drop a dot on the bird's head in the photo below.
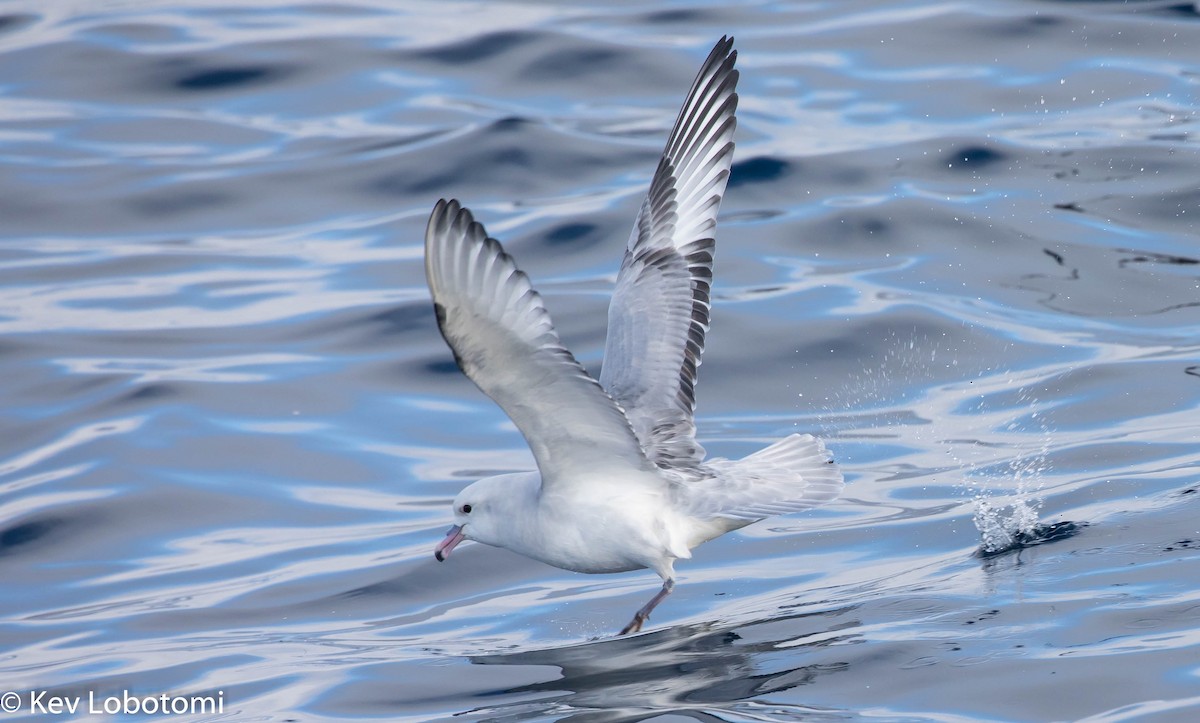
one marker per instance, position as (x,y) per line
(483,512)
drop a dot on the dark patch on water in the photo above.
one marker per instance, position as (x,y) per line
(674,17)
(1069,206)
(1188,10)
(574,234)
(176,202)
(568,63)
(1169,137)
(973,158)
(152,392)
(1023,27)
(1193,370)
(27,533)
(757,170)
(1039,535)
(443,367)
(402,319)
(220,78)
(15,22)
(1187,544)
(509,124)
(372,329)
(212,79)
(479,48)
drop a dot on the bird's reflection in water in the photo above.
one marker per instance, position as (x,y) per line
(700,672)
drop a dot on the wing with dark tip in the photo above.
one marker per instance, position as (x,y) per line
(504,341)
(660,308)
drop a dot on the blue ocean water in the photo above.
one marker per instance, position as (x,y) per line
(959,243)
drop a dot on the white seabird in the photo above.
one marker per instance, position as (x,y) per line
(621,483)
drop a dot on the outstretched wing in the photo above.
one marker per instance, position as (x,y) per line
(504,341)
(659,310)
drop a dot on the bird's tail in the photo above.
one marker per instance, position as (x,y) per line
(793,474)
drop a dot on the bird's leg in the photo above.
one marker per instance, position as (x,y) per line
(640,616)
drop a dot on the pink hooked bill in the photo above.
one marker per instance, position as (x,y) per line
(453,536)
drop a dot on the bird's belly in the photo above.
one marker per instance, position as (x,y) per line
(596,565)
(581,554)
(598,539)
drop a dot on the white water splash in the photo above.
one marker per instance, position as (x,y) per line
(998,442)
(1018,522)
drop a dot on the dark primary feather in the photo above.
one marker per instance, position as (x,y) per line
(660,308)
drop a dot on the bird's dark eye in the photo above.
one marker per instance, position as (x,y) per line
(466,509)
